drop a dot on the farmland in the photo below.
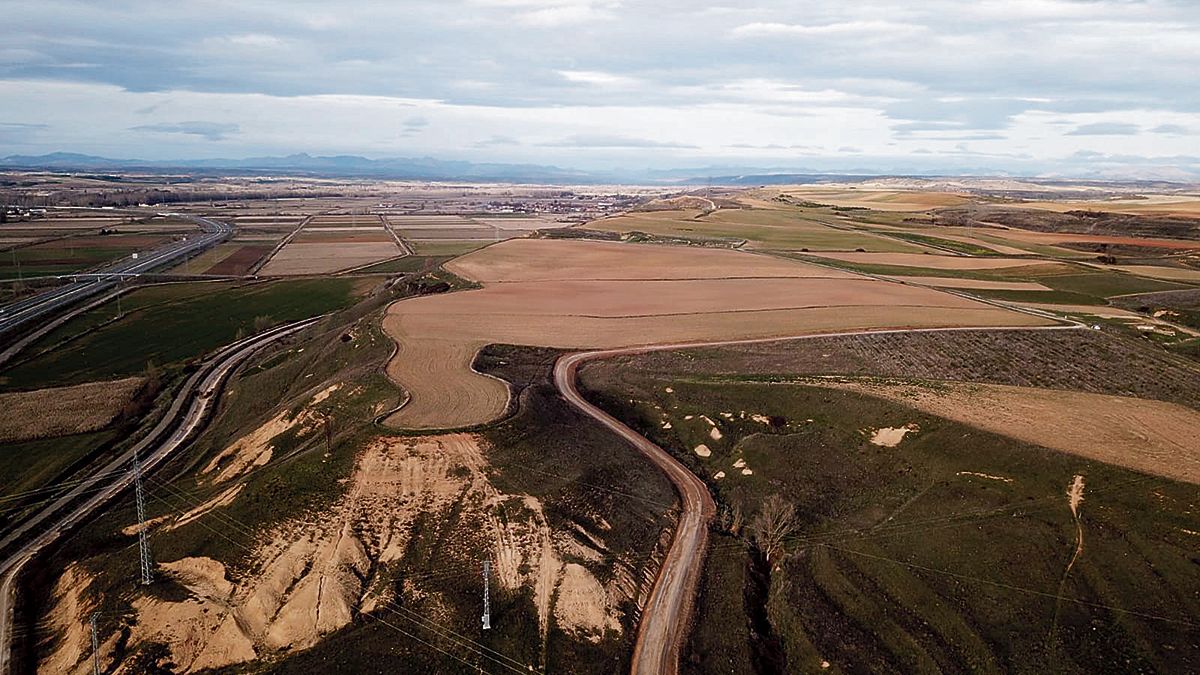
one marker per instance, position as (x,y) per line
(352,477)
(950,541)
(326,244)
(571,294)
(46,413)
(166,326)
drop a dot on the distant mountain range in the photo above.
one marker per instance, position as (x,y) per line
(422,168)
(430,169)
(349,166)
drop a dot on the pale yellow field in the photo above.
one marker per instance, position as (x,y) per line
(59,411)
(1179,205)
(1156,272)
(1151,436)
(586,294)
(302,258)
(880,200)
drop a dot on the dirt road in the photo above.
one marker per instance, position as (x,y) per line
(668,610)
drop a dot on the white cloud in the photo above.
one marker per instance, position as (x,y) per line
(593,77)
(772,29)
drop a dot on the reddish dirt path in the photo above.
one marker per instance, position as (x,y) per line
(668,612)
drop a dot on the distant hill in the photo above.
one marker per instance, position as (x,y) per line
(424,168)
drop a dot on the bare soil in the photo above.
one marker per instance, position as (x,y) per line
(581,294)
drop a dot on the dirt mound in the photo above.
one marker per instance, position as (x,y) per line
(255,448)
(313,575)
(68,619)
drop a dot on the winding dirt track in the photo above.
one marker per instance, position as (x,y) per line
(668,610)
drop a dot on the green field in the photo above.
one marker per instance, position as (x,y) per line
(769,229)
(31,464)
(905,559)
(34,261)
(938,242)
(168,325)
(1106,284)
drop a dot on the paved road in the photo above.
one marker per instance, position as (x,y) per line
(23,311)
(668,611)
(188,412)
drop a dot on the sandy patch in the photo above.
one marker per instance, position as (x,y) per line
(988,476)
(313,575)
(579,294)
(224,499)
(255,448)
(60,411)
(68,619)
(582,602)
(1151,436)
(890,437)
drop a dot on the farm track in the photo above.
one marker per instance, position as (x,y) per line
(188,413)
(668,610)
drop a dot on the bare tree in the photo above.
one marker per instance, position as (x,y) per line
(775,522)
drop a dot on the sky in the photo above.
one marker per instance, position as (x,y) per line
(1097,88)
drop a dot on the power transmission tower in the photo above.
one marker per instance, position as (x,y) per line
(487,605)
(143,542)
(95,645)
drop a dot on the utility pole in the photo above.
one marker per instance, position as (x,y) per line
(487,605)
(95,645)
(143,542)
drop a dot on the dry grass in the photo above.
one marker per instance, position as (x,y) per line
(1150,436)
(879,200)
(580,294)
(1160,205)
(61,411)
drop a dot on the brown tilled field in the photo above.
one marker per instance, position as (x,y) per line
(61,411)
(587,294)
(240,261)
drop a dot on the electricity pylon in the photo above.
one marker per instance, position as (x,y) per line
(487,606)
(143,542)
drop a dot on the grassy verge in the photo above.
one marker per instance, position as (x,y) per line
(168,325)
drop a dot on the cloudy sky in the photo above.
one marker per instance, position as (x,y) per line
(1085,87)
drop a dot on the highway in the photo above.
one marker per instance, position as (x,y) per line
(188,413)
(19,313)
(667,615)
